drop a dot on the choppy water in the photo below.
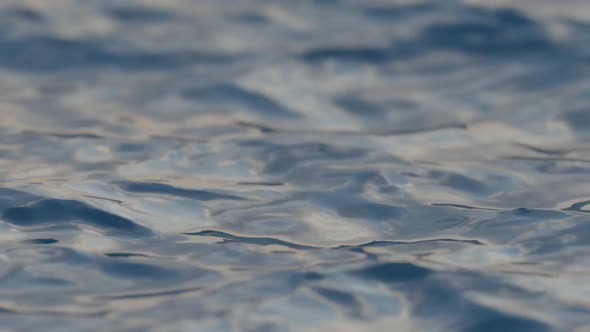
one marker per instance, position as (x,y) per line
(319,165)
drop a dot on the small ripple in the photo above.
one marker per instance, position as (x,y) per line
(367,55)
(579,207)
(399,12)
(62,54)
(394,272)
(377,133)
(262,241)
(160,188)
(142,295)
(40,241)
(506,32)
(502,322)
(140,15)
(20,13)
(105,199)
(341,298)
(388,243)
(125,254)
(462,206)
(66,313)
(270,184)
(133,270)
(230,95)
(55,213)
(64,135)
(579,120)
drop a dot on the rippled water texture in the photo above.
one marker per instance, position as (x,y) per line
(309,165)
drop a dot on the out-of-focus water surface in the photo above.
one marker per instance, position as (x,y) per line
(309,165)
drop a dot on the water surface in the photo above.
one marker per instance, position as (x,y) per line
(313,165)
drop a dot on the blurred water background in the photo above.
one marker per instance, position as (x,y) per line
(294,165)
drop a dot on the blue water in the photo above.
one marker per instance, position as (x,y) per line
(294,165)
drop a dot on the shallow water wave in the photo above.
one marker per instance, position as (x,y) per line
(321,165)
